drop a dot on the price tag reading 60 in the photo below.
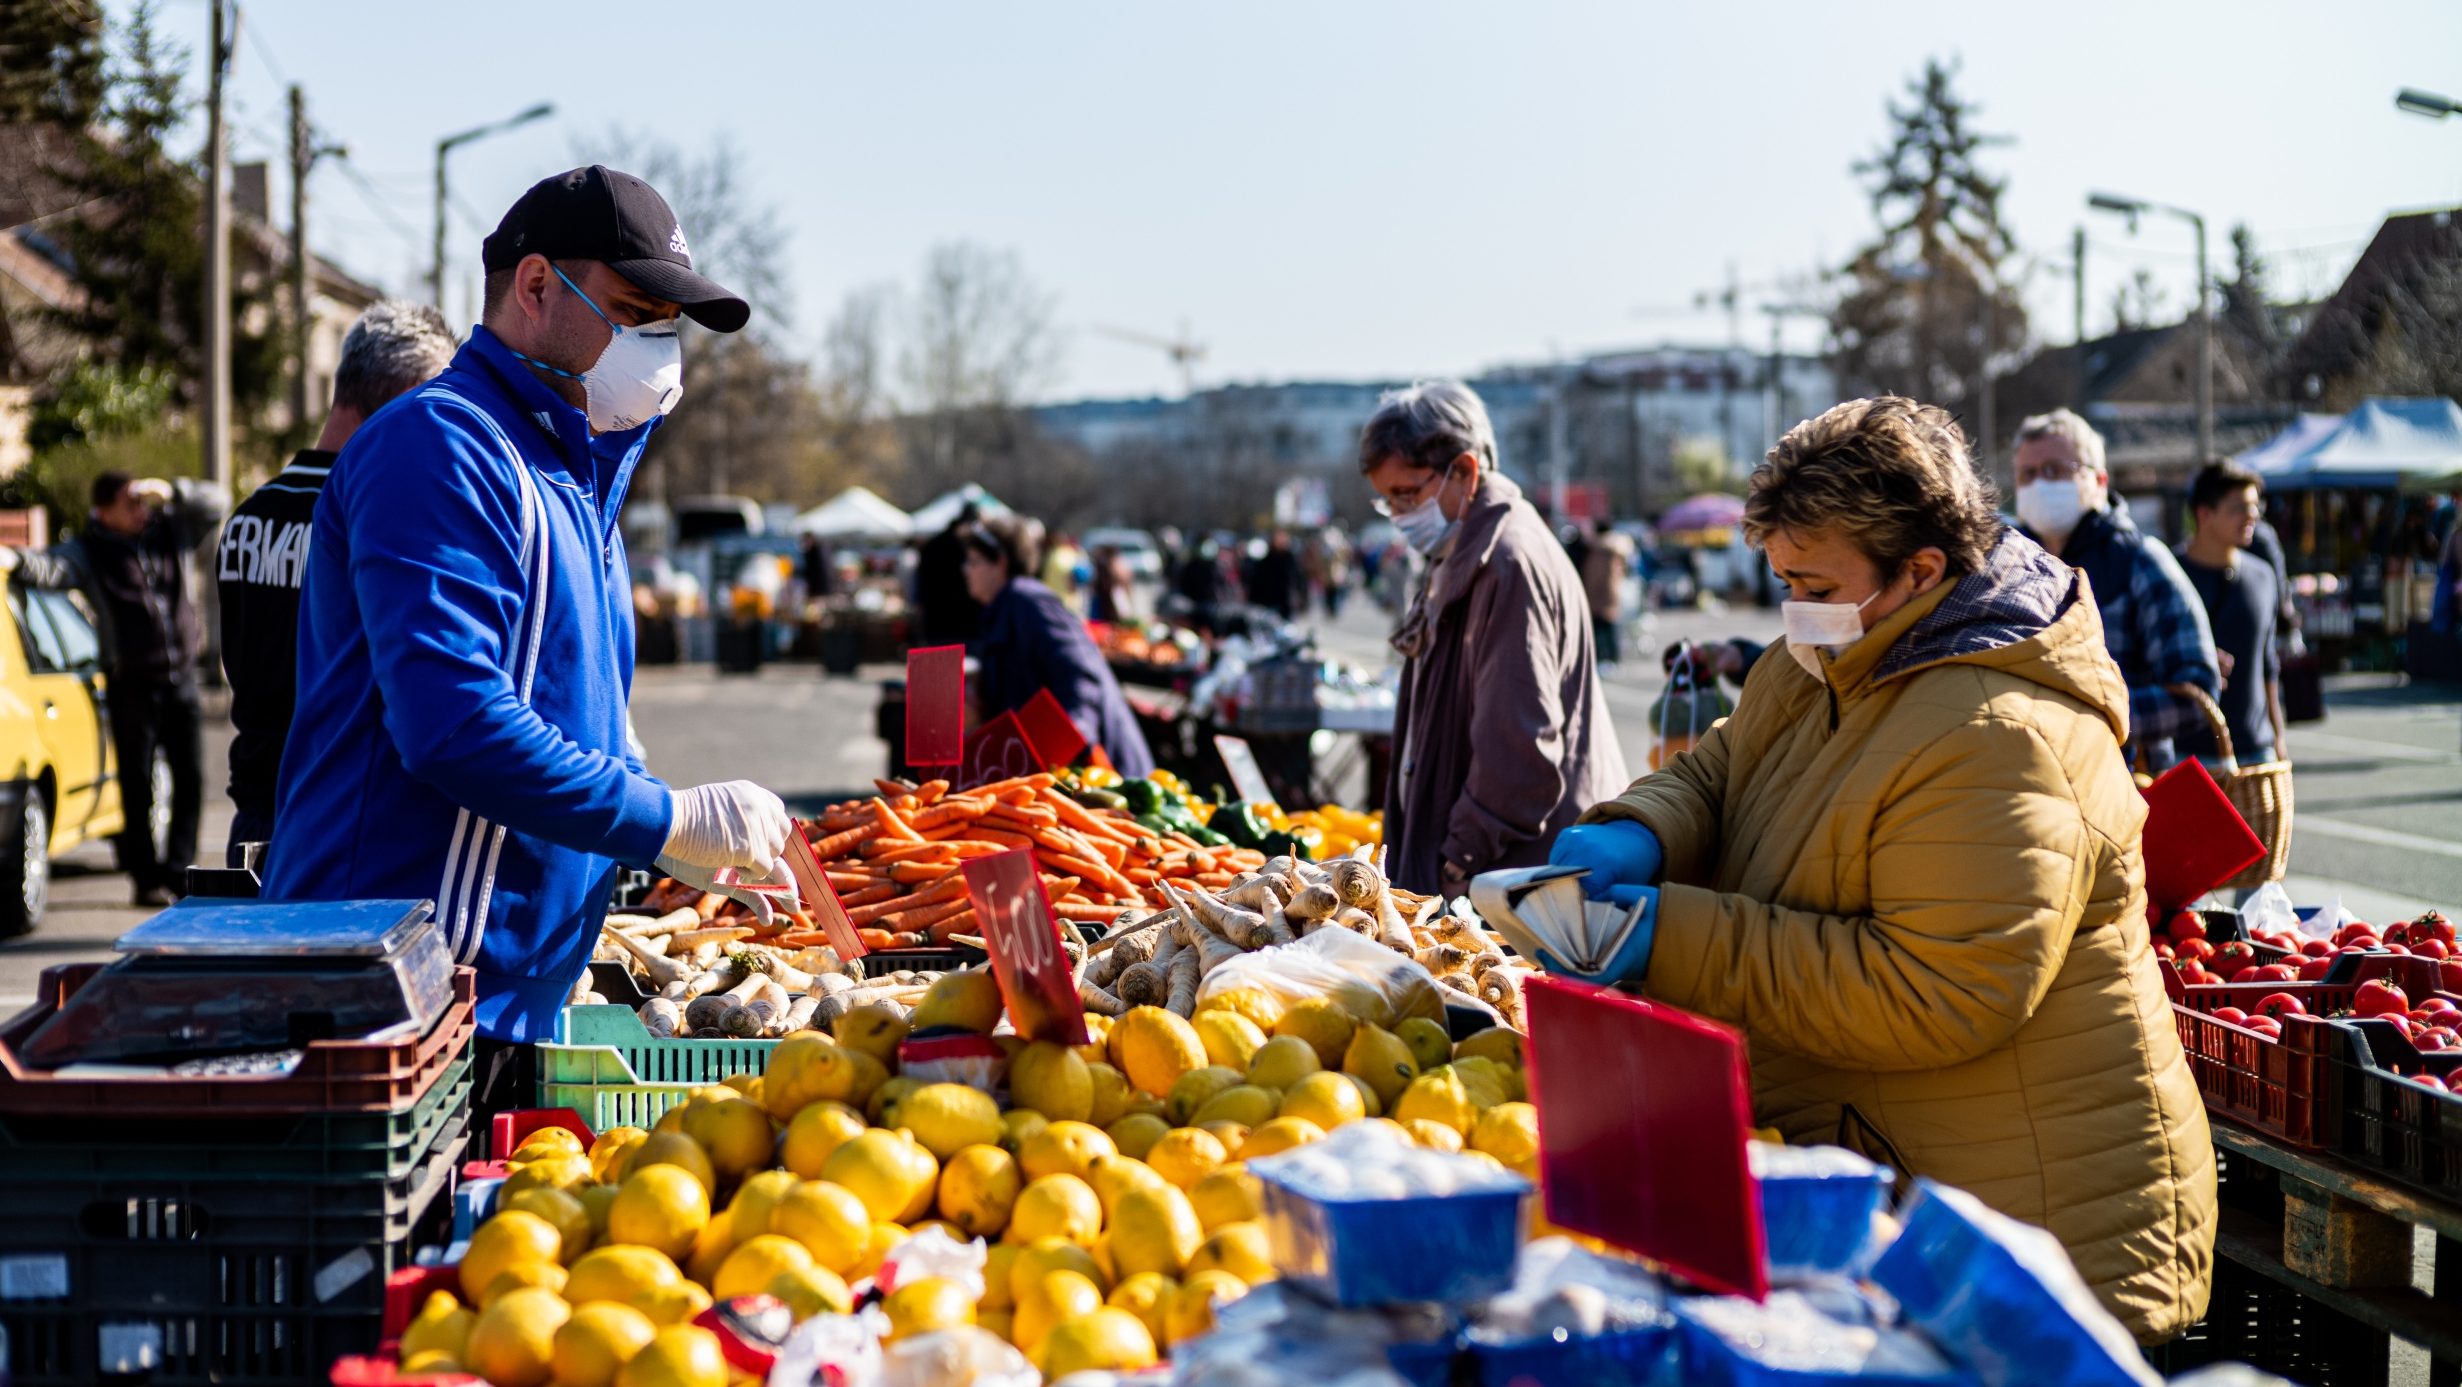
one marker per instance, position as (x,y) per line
(1024,942)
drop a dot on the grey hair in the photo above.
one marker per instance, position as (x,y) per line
(396,345)
(2068,424)
(1428,425)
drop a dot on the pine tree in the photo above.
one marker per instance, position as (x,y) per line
(1928,299)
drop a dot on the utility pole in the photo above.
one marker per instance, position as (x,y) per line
(2077,286)
(2205,351)
(302,155)
(217,421)
(445,146)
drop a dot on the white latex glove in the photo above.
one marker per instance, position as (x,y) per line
(706,879)
(734,823)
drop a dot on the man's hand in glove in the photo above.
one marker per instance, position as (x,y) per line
(731,824)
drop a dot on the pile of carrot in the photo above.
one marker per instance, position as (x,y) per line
(896,859)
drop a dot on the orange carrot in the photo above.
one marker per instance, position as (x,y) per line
(950,811)
(886,891)
(911,852)
(840,844)
(1096,914)
(891,825)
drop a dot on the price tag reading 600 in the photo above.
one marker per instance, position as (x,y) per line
(1024,942)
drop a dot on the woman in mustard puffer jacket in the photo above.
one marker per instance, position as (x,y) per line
(1907,866)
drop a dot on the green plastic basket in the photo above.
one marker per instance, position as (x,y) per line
(606,1106)
(609,1045)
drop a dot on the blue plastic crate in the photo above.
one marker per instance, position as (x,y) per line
(1356,1252)
(1422,1365)
(1817,1221)
(474,1201)
(1627,1358)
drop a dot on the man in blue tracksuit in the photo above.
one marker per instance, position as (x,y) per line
(466,642)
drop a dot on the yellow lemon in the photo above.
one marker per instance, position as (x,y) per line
(1064,1148)
(1136,1134)
(1500,1044)
(997,1259)
(680,1303)
(1326,1098)
(660,1206)
(1232,1135)
(683,1355)
(1114,1176)
(969,1000)
(1059,1297)
(1227,1195)
(672,1120)
(816,1130)
(427,1361)
(876,1030)
(511,1238)
(599,1339)
(1154,1228)
(520,1276)
(1429,1043)
(947,1118)
(677,1150)
(441,1326)
(596,1200)
(1282,1062)
(1323,1023)
(1238,1248)
(1107,1340)
(1097,1048)
(886,1097)
(889,1171)
(1056,1206)
(883,1240)
(1108,1094)
(708,1251)
(1379,1058)
(1261,1008)
(1035,1260)
(755,1200)
(1192,1310)
(748,1085)
(1186,1155)
(920,1307)
(612,1150)
(790,1083)
(559,1171)
(513,1342)
(810,1291)
(756,1262)
(1193,1090)
(979,1187)
(1434,1135)
(1280,1135)
(564,1211)
(1230,1039)
(1147,1295)
(997,1323)
(1245,1104)
(1154,1047)
(831,1223)
(1053,1080)
(619,1272)
(1439,1097)
(1017,1126)
(1487,1082)
(1510,1133)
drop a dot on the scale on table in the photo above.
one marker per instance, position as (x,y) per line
(210,978)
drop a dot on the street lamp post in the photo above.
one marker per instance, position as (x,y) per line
(2133,208)
(445,146)
(2429,104)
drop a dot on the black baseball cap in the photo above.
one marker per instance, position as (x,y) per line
(600,214)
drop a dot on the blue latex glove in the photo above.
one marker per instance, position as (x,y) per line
(1619,853)
(1632,960)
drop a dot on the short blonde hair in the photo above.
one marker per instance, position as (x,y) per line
(2068,424)
(1888,475)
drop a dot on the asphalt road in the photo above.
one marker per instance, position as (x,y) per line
(2379,785)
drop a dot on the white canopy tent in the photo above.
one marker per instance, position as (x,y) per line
(935,515)
(855,513)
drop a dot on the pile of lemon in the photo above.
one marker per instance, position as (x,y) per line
(1112,1191)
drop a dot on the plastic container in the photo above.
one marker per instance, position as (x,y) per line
(1626,1358)
(605,1106)
(509,1129)
(1817,1207)
(2392,1123)
(1422,1365)
(1356,1252)
(2279,1087)
(609,1045)
(332,1075)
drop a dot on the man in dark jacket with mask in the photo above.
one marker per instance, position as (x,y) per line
(2153,622)
(132,565)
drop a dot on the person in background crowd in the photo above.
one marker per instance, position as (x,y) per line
(1908,867)
(132,565)
(2447,601)
(2152,621)
(1065,570)
(393,347)
(815,566)
(945,615)
(1337,549)
(1170,551)
(2243,600)
(1031,641)
(466,634)
(1502,729)
(1113,593)
(1274,580)
(1604,570)
(2267,545)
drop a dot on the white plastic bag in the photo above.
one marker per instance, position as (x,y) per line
(829,1351)
(933,1253)
(2270,910)
(962,1357)
(2324,923)
(1369,980)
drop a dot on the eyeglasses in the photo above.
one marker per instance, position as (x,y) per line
(1387,507)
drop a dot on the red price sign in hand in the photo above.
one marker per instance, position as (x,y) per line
(1024,942)
(820,898)
(936,705)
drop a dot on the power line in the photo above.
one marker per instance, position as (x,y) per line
(377,204)
(254,35)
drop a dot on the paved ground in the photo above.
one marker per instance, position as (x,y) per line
(2379,793)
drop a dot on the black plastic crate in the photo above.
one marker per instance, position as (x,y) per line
(2269,1326)
(282,1148)
(2390,1122)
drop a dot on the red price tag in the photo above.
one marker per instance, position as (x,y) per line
(820,898)
(1024,942)
(936,705)
(1053,733)
(998,750)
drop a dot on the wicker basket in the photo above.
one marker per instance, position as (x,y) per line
(2262,794)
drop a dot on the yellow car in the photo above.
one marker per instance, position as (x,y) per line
(59,787)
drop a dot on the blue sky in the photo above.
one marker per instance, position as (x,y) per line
(1370,189)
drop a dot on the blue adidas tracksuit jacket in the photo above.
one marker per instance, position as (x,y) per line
(465,659)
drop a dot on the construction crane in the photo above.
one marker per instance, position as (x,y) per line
(1185,352)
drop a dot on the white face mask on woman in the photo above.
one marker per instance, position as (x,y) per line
(1813,627)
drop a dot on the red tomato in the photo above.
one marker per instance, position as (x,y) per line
(2429,1079)
(2278,1004)
(2162,949)
(2436,1003)
(2449,973)
(2277,972)
(2186,925)
(2195,974)
(2438,927)
(2197,949)
(2436,1038)
(2266,1026)
(2231,1014)
(2397,933)
(2315,969)
(2430,948)
(2233,955)
(2246,973)
(2317,948)
(2377,996)
(2400,1023)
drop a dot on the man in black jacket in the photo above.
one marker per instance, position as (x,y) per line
(132,565)
(393,348)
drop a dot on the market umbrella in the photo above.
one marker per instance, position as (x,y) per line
(1711,510)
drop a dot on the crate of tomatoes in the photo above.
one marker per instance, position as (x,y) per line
(2395,1081)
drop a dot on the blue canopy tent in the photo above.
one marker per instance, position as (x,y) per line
(2376,447)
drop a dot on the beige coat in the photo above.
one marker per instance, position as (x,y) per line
(1917,888)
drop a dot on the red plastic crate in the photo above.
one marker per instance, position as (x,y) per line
(2282,1088)
(334,1076)
(405,1291)
(510,1129)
